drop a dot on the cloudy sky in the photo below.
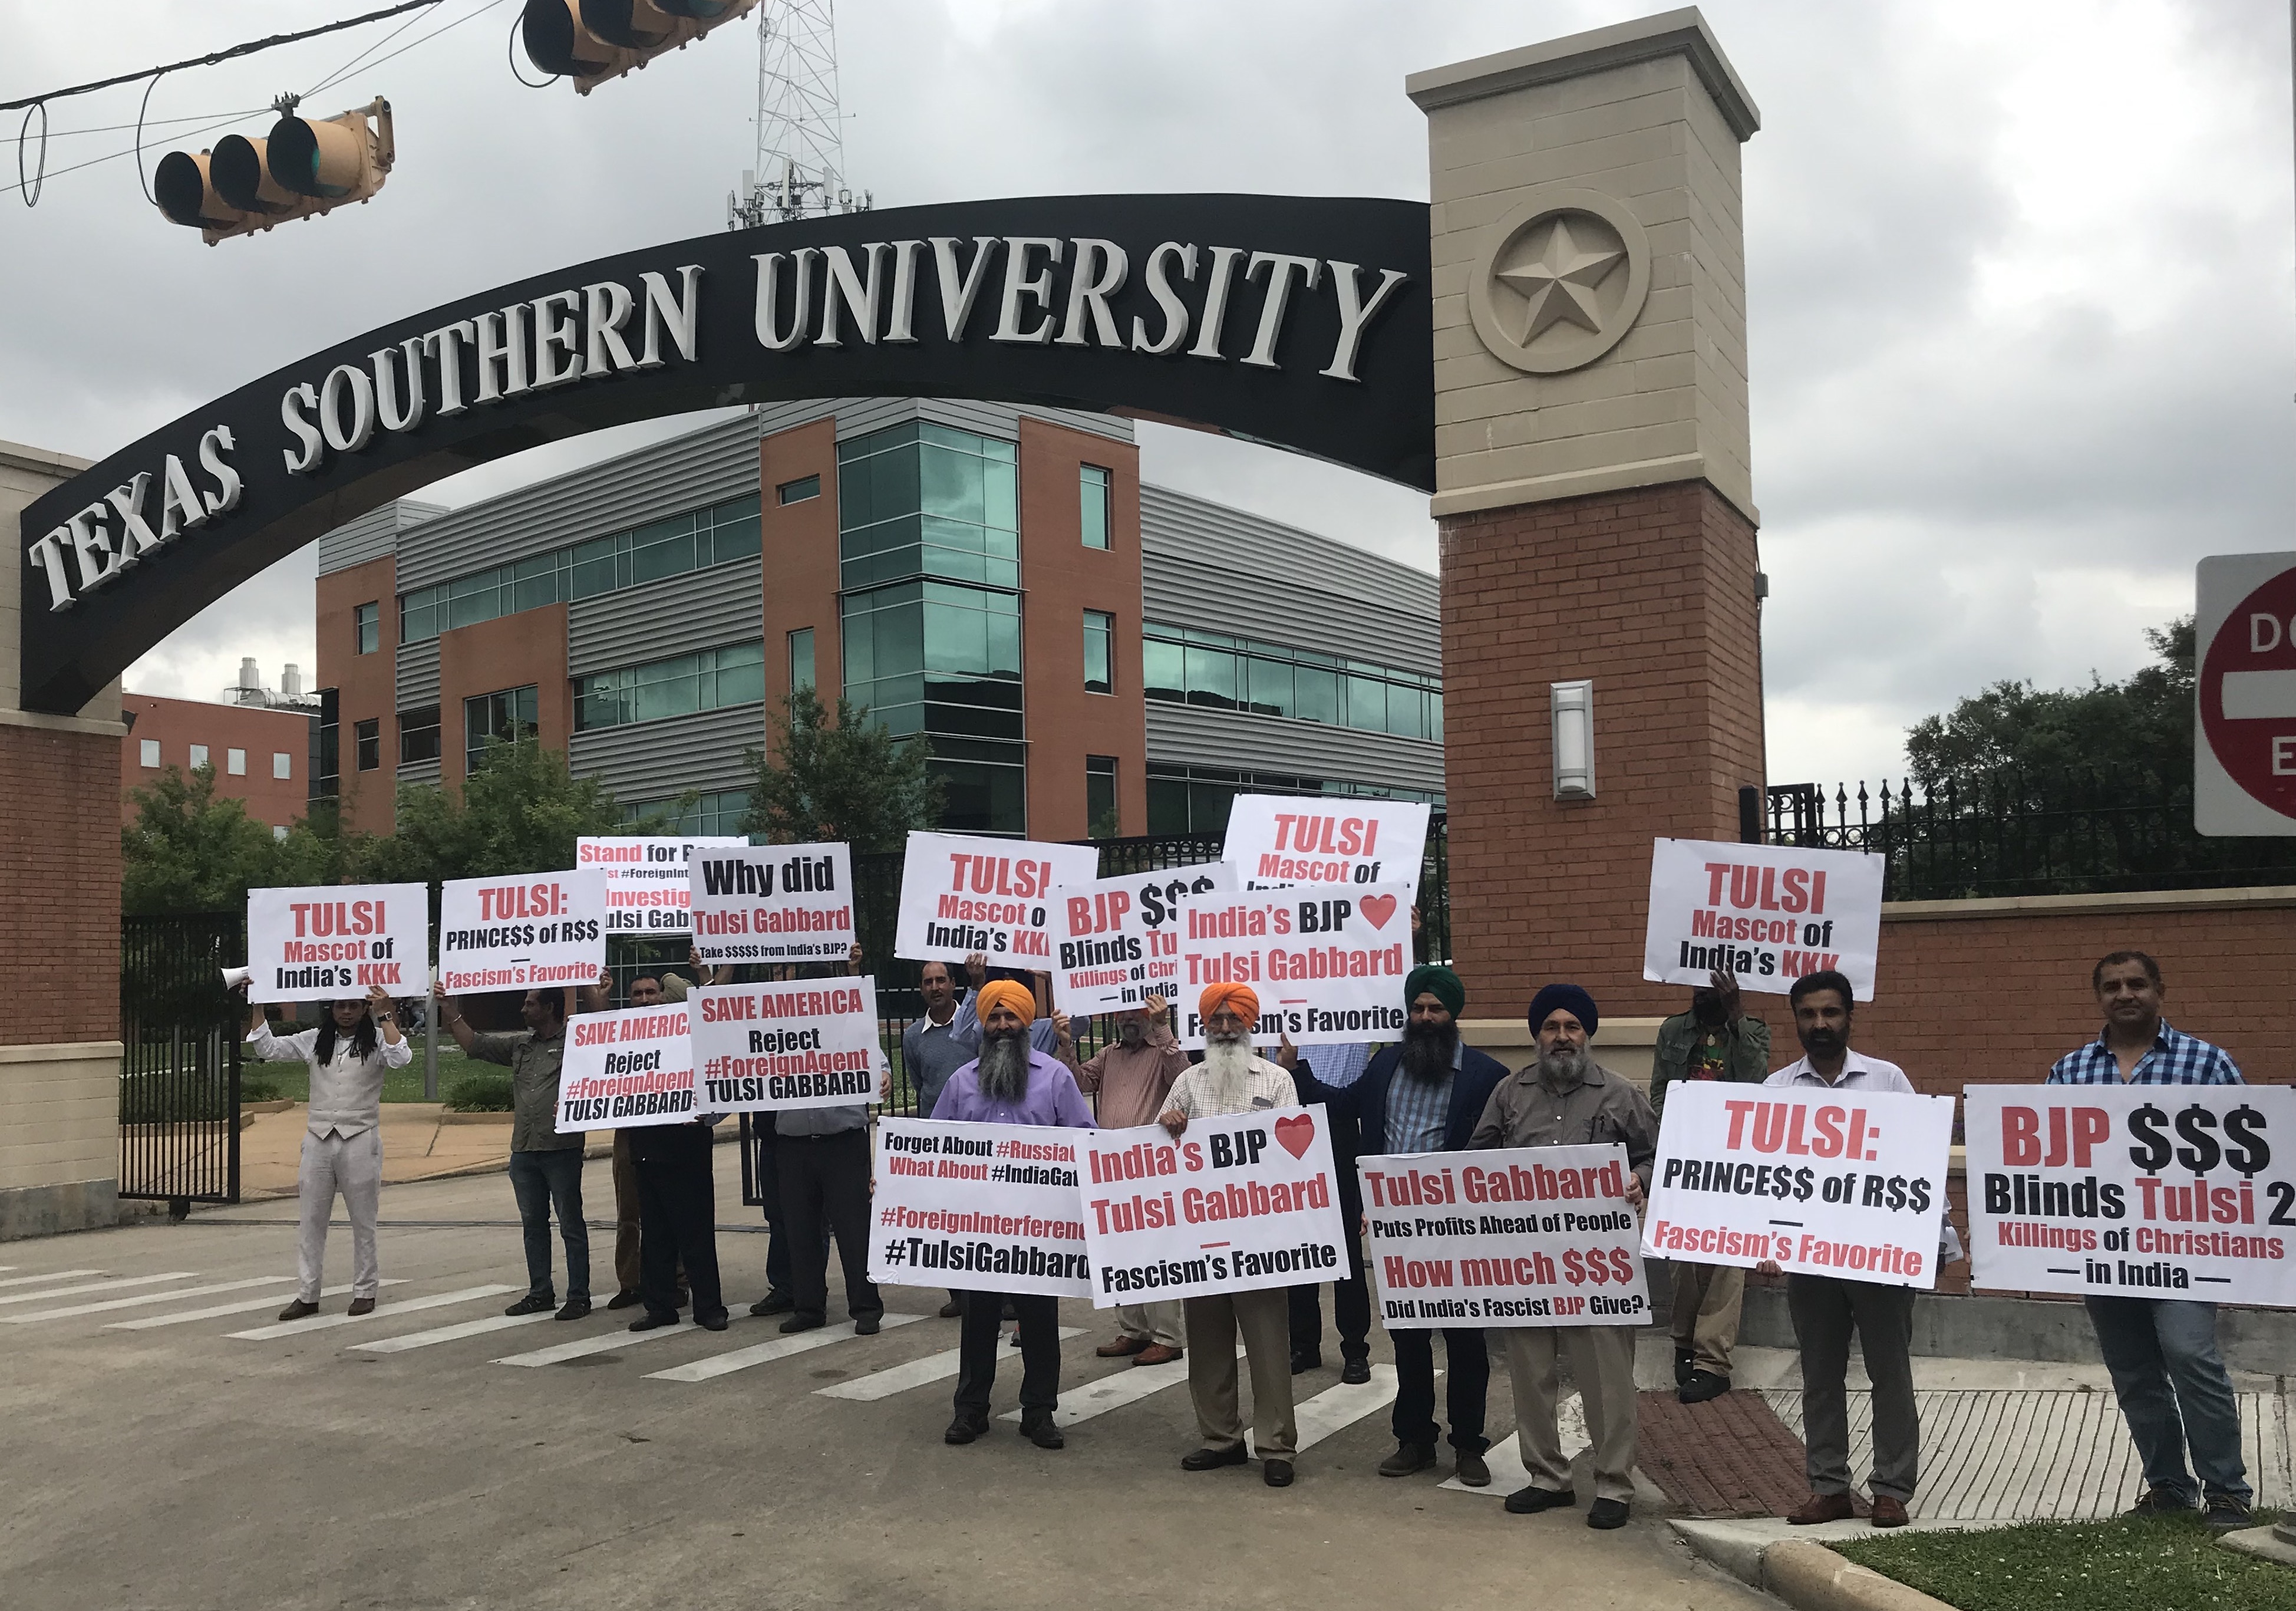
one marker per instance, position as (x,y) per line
(2021,278)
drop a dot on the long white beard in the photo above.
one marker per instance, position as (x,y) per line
(1229,1061)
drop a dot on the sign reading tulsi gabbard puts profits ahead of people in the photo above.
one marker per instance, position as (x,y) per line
(527,932)
(337,941)
(1768,914)
(2146,1191)
(1279,839)
(1527,1236)
(773,903)
(1326,961)
(626,1069)
(1827,1182)
(808,1043)
(645,880)
(1116,943)
(992,1207)
(1243,1201)
(960,895)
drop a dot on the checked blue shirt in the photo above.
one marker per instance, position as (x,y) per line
(2176,1058)
(1418,1111)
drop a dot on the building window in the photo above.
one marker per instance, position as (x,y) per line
(924,500)
(801,659)
(235,761)
(1099,652)
(199,756)
(710,680)
(984,785)
(717,813)
(1195,800)
(931,657)
(368,736)
(367,621)
(1100,796)
(150,749)
(1092,497)
(507,717)
(1185,666)
(277,832)
(418,734)
(283,764)
(800,490)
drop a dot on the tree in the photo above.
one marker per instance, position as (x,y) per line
(189,852)
(848,779)
(519,811)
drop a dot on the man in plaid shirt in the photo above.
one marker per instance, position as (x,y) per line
(2166,1372)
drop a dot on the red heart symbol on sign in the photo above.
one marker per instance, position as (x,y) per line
(1379,908)
(1294,1134)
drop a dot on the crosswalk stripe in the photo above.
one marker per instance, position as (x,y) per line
(1508,1473)
(759,1353)
(243,1306)
(451,1334)
(105,1304)
(582,1348)
(111,1286)
(288,1328)
(1115,1390)
(1336,1408)
(916,1373)
(53,1275)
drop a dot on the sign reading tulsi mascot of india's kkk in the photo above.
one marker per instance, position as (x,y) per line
(626,1069)
(979,1206)
(1279,839)
(1767,915)
(961,894)
(341,940)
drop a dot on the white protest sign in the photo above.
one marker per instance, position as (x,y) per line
(1239,1202)
(626,1069)
(645,879)
(961,894)
(1115,941)
(530,931)
(773,903)
(1327,961)
(808,1043)
(341,939)
(989,1207)
(1279,839)
(1828,1182)
(1768,914)
(2144,1191)
(1523,1235)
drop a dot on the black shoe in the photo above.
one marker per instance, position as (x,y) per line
(965,1429)
(653,1322)
(2159,1501)
(1275,1473)
(533,1303)
(867,1325)
(1015,1340)
(1211,1460)
(1408,1459)
(577,1309)
(1037,1426)
(1357,1371)
(2227,1513)
(1607,1514)
(1531,1500)
(300,1309)
(712,1322)
(804,1322)
(625,1298)
(773,1302)
(1306,1360)
(951,1310)
(1702,1387)
(1010,1312)
(1682,1365)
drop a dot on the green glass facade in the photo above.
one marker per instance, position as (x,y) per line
(924,500)
(1189,667)
(731,675)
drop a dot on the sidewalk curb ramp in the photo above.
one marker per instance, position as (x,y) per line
(1807,1576)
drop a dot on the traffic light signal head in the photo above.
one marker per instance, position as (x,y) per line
(304,168)
(591,41)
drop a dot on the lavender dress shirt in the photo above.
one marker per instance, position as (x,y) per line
(1051,1098)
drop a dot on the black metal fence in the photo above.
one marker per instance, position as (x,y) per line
(179,1078)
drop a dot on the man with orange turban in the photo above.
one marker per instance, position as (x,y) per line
(1233,1080)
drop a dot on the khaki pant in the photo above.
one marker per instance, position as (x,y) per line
(1151,1323)
(1265,1318)
(1602,1366)
(1707,1299)
(353,1166)
(627,1227)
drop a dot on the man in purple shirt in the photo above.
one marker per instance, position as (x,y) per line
(1011,1082)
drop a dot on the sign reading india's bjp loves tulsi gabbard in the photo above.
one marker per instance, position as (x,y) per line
(1326,960)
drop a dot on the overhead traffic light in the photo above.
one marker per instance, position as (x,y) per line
(303,167)
(591,41)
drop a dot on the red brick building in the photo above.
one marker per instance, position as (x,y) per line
(260,755)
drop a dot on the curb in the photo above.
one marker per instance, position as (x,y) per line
(1807,1576)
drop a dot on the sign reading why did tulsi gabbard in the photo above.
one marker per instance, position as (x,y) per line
(991,1206)
(1239,1202)
(961,894)
(528,932)
(1279,839)
(2184,1191)
(645,879)
(1827,1182)
(626,1069)
(1116,943)
(1768,914)
(337,941)
(810,1043)
(773,903)
(1326,961)
(1527,1236)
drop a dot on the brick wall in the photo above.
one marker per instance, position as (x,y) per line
(60,864)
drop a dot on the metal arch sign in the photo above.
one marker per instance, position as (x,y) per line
(1303,323)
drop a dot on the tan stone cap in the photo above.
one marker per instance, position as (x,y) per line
(17,455)
(1682,32)
(1810,1577)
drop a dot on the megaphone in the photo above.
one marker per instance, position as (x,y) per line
(234,977)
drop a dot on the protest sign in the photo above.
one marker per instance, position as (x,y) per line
(960,894)
(645,879)
(626,1069)
(1115,941)
(773,903)
(991,1207)
(1239,1202)
(808,1043)
(1766,914)
(1327,961)
(2146,1191)
(341,940)
(528,932)
(1279,839)
(1520,1236)
(1827,1182)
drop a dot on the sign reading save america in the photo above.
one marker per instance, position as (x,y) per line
(626,1069)
(808,1043)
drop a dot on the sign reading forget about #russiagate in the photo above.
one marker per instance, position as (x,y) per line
(961,894)
(1827,1182)
(1239,1202)
(645,879)
(1116,943)
(1766,914)
(2171,1191)
(531,931)
(1520,1236)
(1279,839)
(1326,961)
(988,1206)
(626,1069)
(807,1043)
(341,939)
(773,903)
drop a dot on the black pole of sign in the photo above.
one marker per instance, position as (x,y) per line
(1750,815)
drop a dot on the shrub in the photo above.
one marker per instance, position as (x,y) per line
(480,1092)
(254,1087)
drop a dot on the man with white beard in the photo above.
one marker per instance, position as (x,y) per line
(1011,1082)
(1233,1080)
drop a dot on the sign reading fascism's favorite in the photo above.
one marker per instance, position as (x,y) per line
(645,880)
(626,1069)
(533,931)
(343,940)
(960,894)
(1275,839)
(1116,942)
(987,1207)
(1326,961)
(2144,1191)
(772,903)
(1768,914)
(1529,1235)
(807,1043)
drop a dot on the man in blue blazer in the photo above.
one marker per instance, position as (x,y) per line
(1424,1094)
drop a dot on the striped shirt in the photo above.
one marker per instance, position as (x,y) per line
(2176,1058)
(1418,1111)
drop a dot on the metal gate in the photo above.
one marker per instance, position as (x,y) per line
(179,1077)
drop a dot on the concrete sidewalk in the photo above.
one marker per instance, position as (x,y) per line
(421,1141)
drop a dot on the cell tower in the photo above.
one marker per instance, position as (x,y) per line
(800,171)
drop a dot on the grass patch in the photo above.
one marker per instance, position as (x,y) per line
(292,1081)
(2158,1563)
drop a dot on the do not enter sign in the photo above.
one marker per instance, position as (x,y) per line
(2244,744)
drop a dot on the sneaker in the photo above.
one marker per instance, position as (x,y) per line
(533,1303)
(1159,1353)
(965,1429)
(575,1308)
(1408,1459)
(2227,1513)
(773,1302)
(2159,1501)
(1472,1471)
(1121,1348)
(1702,1386)
(625,1298)
(1607,1514)
(1531,1500)
(1038,1426)
(1682,1366)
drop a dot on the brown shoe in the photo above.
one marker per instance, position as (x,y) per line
(1824,1507)
(1157,1353)
(298,1311)
(361,1306)
(1888,1512)
(1121,1348)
